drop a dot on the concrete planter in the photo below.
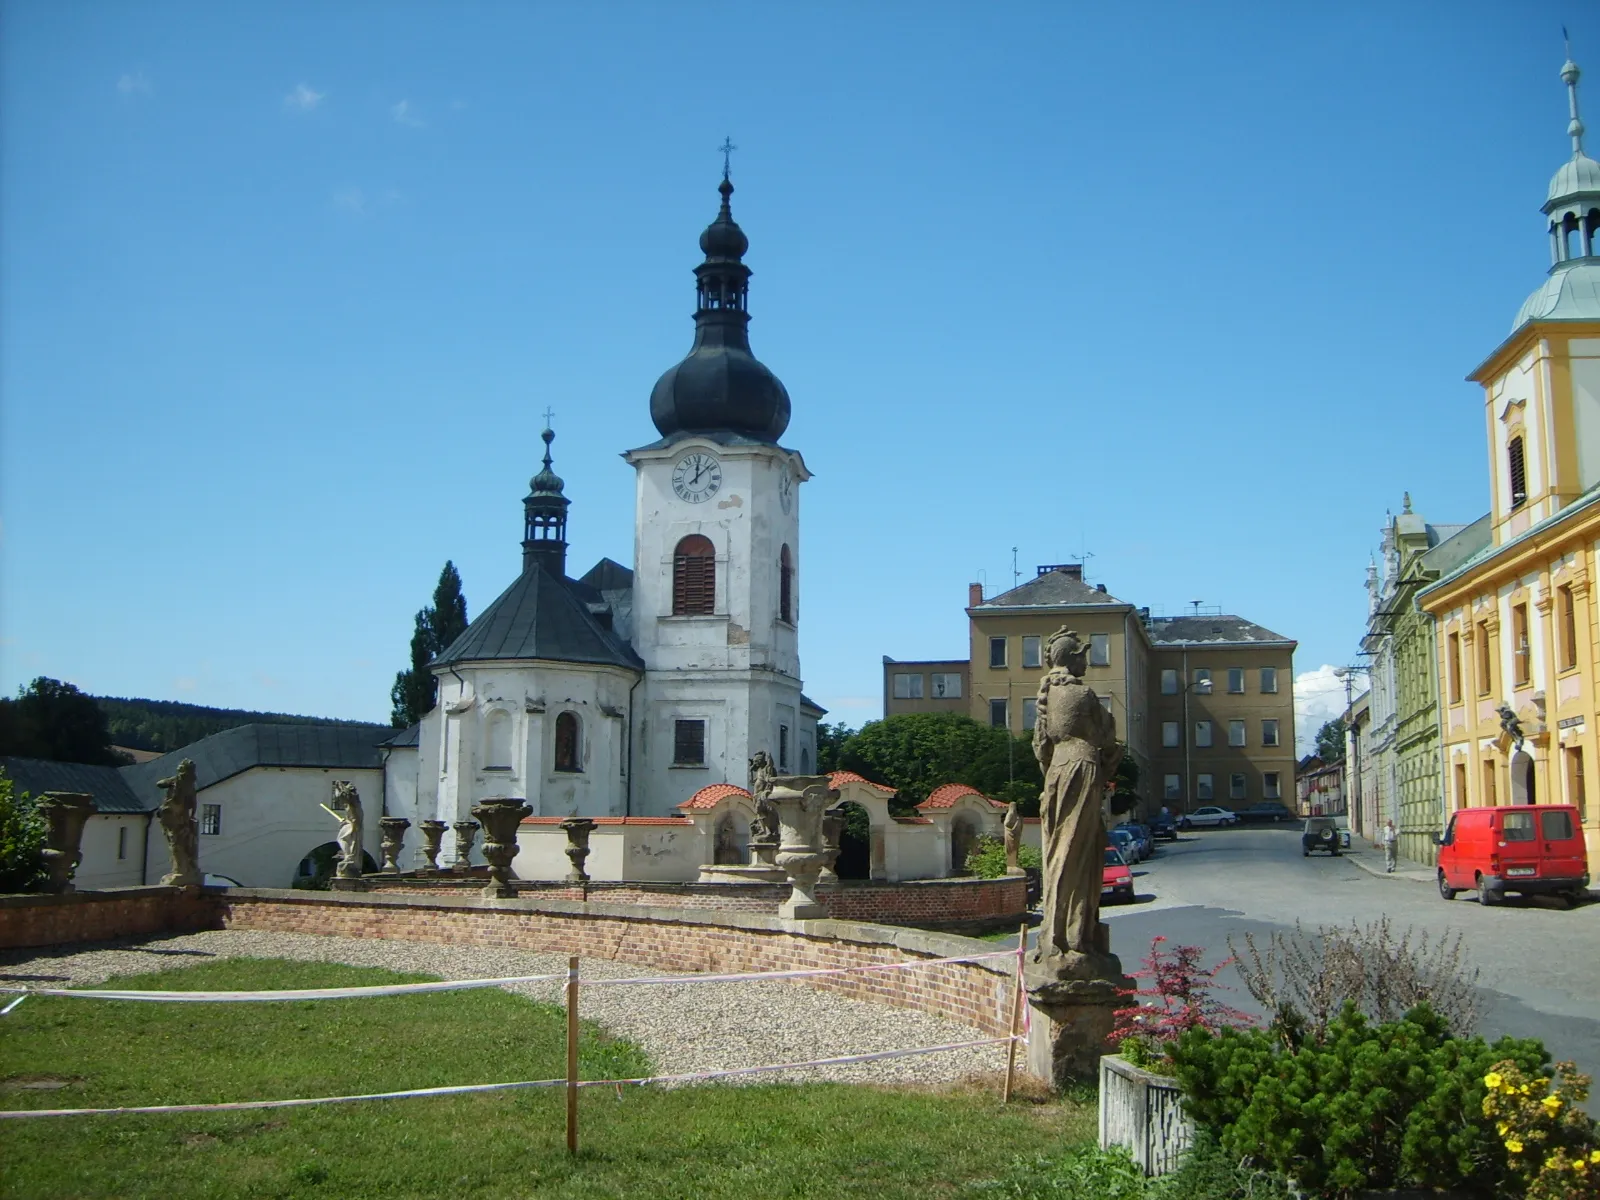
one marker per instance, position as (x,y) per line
(1144,1112)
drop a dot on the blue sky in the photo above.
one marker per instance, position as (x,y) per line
(1192,288)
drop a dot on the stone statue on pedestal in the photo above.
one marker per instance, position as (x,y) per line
(1013,828)
(764,829)
(181,826)
(347,807)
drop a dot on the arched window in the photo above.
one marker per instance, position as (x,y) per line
(497,749)
(785,586)
(694,577)
(1519,471)
(568,743)
(1571,238)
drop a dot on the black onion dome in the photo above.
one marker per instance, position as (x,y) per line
(721,386)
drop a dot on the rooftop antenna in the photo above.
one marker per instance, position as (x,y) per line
(1016,575)
(1196,604)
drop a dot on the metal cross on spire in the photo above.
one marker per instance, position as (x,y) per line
(727,149)
(548,414)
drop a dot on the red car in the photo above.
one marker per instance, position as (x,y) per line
(1116,879)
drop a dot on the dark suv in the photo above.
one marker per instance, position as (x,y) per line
(1265,810)
(1321,833)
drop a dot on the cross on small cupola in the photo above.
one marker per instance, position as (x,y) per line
(544,530)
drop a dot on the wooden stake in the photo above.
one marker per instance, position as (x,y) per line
(572,1055)
(1016,1015)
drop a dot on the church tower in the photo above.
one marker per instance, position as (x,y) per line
(716,599)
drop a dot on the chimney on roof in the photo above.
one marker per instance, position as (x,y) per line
(1144,616)
(1070,570)
(1099,587)
(974,594)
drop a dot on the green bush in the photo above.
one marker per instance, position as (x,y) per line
(1365,1106)
(987,859)
(1089,1173)
(22,832)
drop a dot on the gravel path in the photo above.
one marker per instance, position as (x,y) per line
(683,1027)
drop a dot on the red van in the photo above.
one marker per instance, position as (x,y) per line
(1533,849)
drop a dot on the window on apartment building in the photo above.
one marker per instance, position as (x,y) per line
(999,717)
(1485,660)
(1269,786)
(1269,680)
(1269,732)
(1577,795)
(122,841)
(1567,627)
(1521,651)
(1452,667)
(1489,789)
(211,818)
(908,686)
(1202,680)
(694,577)
(946,686)
(1519,471)
(1235,733)
(689,743)
(1202,733)
(1030,652)
(997,652)
(1203,788)
(1172,787)
(1171,736)
(1169,683)
(1099,649)
(1236,786)
(1236,681)
(1030,714)
(783,747)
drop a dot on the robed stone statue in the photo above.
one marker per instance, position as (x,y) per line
(1075,740)
(764,829)
(347,807)
(178,822)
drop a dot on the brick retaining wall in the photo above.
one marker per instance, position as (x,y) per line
(103,915)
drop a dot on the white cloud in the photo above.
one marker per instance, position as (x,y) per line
(1319,697)
(404,114)
(185,683)
(303,98)
(351,199)
(134,83)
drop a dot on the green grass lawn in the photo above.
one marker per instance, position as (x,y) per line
(708,1141)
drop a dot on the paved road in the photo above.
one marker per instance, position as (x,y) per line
(1540,962)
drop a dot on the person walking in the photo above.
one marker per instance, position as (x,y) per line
(1388,837)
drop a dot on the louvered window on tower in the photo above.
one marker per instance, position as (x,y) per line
(1519,472)
(694,577)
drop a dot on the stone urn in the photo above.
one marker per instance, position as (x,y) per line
(394,838)
(500,819)
(832,831)
(578,831)
(65,814)
(466,833)
(432,836)
(801,800)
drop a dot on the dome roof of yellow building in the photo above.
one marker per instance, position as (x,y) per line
(1577,175)
(1572,293)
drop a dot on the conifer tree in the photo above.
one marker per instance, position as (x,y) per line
(441,623)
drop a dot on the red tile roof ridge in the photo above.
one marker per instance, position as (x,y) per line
(835,778)
(713,794)
(946,795)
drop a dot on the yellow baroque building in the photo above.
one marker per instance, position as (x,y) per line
(1518,651)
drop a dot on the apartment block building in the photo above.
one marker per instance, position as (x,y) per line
(1248,734)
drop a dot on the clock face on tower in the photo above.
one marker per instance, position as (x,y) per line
(697,476)
(786,489)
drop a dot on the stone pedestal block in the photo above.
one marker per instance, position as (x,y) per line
(1074,998)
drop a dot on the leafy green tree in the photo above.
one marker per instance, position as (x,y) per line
(21,840)
(1330,740)
(415,689)
(916,752)
(54,720)
(830,740)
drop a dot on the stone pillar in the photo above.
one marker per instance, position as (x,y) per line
(466,833)
(1074,999)
(65,815)
(832,831)
(432,836)
(578,831)
(500,819)
(800,801)
(394,838)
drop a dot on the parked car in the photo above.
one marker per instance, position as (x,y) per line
(1116,880)
(1162,825)
(1266,810)
(1532,850)
(1142,835)
(1208,815)
(1124,841)
(1320,833)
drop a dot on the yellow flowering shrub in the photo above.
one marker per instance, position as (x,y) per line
(1552,1144)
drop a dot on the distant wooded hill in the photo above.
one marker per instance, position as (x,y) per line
(163,725)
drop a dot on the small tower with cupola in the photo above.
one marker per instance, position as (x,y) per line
(716,600)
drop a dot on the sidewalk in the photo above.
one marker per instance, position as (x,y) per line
(1371,861)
